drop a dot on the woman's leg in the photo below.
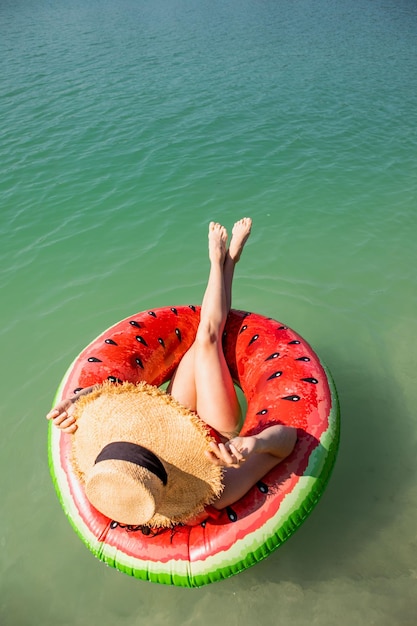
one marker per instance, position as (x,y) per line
(240,233)
(202,381)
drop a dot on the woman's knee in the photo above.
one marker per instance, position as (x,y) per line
(208,334)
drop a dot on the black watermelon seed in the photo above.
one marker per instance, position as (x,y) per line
(161,341)
(78,389)
(263,412)
(203,524)
(294,342)
(178,333)
(111,342)
(152,313)
(272,356)
(274,375)
(141,340)
(254,338)
(113,379)
(314,381)
(145,530)
(135,323)
(192,307)
(306,359)
(139,362)
(93,359)
(283,328)
(113,525)
(231,514)
(292,398)
(244,327)
(262,487)
(174,310)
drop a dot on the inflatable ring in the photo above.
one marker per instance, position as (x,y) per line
(283,382)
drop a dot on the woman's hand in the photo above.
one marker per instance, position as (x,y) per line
(232,453)
(62,416)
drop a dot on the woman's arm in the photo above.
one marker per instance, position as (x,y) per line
(62,414)
(248,459)
(276,441)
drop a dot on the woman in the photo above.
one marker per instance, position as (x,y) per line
(202,382)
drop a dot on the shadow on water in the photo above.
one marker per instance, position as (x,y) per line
(359,501)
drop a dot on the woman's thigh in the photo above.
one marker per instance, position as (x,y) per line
(182,384)
(217,402)
(202,383)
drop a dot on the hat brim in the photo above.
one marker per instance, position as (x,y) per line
(145,415)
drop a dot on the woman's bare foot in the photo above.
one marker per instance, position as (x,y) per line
(217,242)
(240,233)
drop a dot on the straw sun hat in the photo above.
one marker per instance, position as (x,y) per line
(141,456)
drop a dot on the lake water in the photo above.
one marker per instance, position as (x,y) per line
(125,128)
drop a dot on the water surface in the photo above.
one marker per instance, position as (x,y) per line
(125,127)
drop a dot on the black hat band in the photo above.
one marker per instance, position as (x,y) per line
(133,453)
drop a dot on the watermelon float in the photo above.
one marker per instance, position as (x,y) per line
(283,381)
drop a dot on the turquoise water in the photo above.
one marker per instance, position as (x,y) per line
(125,127)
